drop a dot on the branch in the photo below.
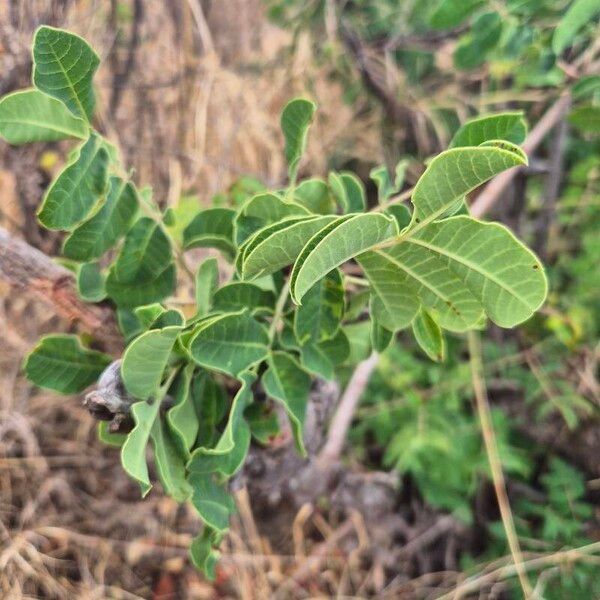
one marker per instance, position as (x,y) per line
(31,271)
(493,191)
(342,419)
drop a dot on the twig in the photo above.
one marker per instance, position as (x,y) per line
(481,581)
(491,447)
(493,191)
(343,416)
(29,270)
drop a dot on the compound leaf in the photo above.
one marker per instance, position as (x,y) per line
(63,67)
(31,116)
(60,363)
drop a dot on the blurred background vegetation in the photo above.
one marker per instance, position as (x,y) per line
(191,90)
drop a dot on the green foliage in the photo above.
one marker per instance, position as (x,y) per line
(267,328)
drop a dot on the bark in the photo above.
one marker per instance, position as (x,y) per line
(30,271)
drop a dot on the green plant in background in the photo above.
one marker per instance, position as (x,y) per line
(290,311)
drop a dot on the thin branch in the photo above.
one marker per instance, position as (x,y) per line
(342,419)
(31,271)
(493,191)
(491,447)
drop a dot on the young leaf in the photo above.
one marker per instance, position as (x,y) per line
(239,295)
(77,189)
(381,338)
(207,280)
(96,235)
(202,554)
(30,116)
(211,228)
(262,210)
(133,451)
(336,243)
(508,126)
(348,191)
(145,359)
(231,449)
(170,463)
(146,252)
(277,246)
(91,283)
(212,501)
(429,336)
(61,363)
(116,440)
(319,316)
(181,417)
(458,171)
(296,118)
(314,195)
(287,382)
(63,67)
(230,343)
(579,14)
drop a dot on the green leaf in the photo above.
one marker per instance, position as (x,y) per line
(170,463)
(348,191)
(262,210)
(287,382)
(146,252)
(63,67)
(336,243)
(456,172)
(401,213)
(359,341)
(230,343)
(77,189)
(385,186)
(278,245)
(263,422)
(322,358)
(61,363)
(182,417)
(231,449)
(133,451)
(99,233)
(177,218)
(320,314)
(579,13)
(314,195)
(211,228)
(451,13)
(484,35)
(212,501)
(211,403)
(137,293)
(106,436)
(90,282)
(586,119)
(295,120)
(586,87)
(510,126)
(429,336)
(30,116)
(393,304)
(498,270)
(145,359)
(207,281)
(202,554)
(381,338)
(239,295)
